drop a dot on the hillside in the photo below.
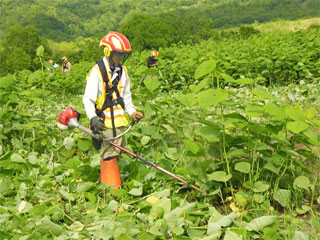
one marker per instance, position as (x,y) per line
(66,20)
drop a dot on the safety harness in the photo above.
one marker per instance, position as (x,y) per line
(64,65)
(109,102)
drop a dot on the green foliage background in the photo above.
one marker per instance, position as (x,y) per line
(66,20)
(235,112)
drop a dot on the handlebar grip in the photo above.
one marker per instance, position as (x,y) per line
(134,122)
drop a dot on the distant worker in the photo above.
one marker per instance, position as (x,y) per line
(54,66)
(151,61)
(66,66)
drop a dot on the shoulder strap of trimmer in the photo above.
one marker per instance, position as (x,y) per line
(108,101)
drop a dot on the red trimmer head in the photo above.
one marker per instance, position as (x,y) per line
(68,118)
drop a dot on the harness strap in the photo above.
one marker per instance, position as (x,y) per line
(109,92)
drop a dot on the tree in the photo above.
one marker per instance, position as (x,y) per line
(19,49)
(146,32)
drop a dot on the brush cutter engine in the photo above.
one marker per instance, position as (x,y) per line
(68,118)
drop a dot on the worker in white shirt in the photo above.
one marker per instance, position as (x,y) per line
(106,99)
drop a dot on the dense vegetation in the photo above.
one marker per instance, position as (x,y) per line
(66,20)
(148,25)
(238,117)
(233,111)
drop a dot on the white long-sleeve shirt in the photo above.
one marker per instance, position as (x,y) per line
(94,89)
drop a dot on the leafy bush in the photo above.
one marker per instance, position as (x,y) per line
(246,31)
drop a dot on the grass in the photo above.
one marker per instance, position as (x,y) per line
(286,26)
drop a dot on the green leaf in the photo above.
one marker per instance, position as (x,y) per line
(244,81)
(209,97)
(269,166)
(310,113)
(217,221)
(123,236)
(84,145)
(302,182)
(298,235)
(188,100)
(230,235)
(259,223)
(260,92)
(254,111)
(145,140)
(17,158)
(48,65)
(313,137)
(205,68)
(294,113)
(211,133)
(282,196)
(204,83)
(65,195)
(40,51)
(241,199)
(243,167)
(227,78)
(73,163)
(235,152)
(136,191)
(297,126)
(46,226)
(7,81)
(274,110)
(192,146)
(303,210)
(84,186)
(272,231)
(169,128)
(196,233)
(220,176)
(260,187)
(164,204)
(151,84)
(68,142)
(145,236)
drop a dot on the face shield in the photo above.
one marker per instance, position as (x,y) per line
(117,57)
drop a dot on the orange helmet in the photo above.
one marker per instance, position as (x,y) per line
(50,61)
(115,41)
(154,53)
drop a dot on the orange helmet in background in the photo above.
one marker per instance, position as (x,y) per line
(154,53)
(50,61)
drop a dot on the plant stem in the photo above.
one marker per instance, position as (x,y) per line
(224,147)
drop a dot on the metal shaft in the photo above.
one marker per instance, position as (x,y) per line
(155,166)
(98,137)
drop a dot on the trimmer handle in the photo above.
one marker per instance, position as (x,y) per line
(134,122)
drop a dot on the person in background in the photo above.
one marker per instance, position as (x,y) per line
(66,66)
(54,66)
(106,99)
(151,61)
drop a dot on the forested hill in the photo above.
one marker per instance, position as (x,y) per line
(66,20)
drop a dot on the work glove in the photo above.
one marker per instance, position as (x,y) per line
(98,124)
(136,116)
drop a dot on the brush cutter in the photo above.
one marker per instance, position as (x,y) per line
(69,118)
